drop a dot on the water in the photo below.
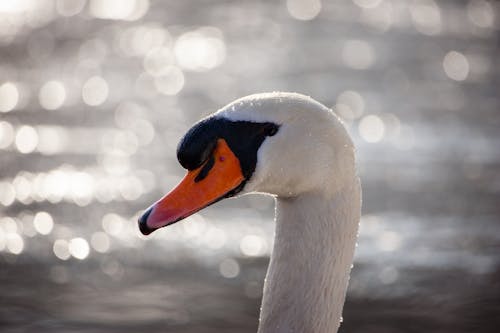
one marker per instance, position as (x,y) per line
(93,100)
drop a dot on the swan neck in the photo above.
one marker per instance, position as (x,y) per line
(311,261)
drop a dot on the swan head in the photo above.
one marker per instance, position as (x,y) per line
(283,144)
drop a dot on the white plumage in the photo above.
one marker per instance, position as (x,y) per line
(309,166)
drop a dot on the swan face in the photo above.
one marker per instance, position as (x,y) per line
(279,143)
(310,151)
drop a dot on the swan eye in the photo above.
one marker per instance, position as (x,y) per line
(271,129)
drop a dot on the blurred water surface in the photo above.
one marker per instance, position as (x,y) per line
(94,96)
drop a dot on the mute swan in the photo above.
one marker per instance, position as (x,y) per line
(296,149)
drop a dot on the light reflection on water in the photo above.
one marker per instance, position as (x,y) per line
(94,96)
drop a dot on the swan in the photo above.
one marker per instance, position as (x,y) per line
(291,147)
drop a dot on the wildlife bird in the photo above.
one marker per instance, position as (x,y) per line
(297,150)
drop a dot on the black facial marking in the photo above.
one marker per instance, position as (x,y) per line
(206,168)
(244,138)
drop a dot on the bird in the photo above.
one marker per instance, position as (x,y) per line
(297,150)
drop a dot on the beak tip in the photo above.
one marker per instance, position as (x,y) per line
(143,225)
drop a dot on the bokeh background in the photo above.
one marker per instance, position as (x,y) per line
(95,94)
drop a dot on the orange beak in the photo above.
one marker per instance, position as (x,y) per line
(197,190)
